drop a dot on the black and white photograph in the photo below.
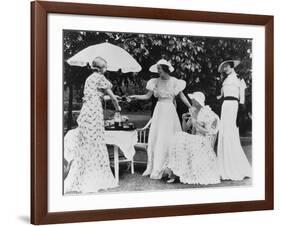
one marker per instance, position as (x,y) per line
(146,112)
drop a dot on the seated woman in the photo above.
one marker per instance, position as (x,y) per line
(191,156)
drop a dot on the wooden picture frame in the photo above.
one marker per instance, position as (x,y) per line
(39,112)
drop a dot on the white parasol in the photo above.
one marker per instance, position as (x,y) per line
(116,57)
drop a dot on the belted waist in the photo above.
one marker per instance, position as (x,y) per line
(165,100)
(230,98)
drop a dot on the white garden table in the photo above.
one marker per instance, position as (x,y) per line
(125,140)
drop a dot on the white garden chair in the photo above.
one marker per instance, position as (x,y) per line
(142,140)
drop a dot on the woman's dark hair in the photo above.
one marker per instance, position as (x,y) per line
(231,64)
(165,68)
(95,69)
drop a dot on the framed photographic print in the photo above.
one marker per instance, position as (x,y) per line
(147,112)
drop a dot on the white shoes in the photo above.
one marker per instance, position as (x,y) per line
(172,180)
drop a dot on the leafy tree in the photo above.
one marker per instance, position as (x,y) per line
(194,58)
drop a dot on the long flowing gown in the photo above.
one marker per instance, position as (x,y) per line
(233,162)
(85,145)
(192,157)
(165,123)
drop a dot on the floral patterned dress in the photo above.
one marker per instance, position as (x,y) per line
(191,156)
(85,145)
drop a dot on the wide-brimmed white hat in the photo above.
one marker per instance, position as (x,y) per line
(235,63)
(153,68)
(199,97)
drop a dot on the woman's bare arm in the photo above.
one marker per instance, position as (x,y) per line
(221,95)
(184,99)
(113,99)
(200,128)
(146,96)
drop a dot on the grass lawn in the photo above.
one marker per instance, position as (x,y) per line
(136,182)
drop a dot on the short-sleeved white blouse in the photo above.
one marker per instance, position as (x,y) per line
(233,86)
(166,88)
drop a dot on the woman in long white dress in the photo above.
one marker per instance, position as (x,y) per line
(85,151)
(233,162)
(165,122)
(191,156)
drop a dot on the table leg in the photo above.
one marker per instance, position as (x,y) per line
(132,166)
(116,163)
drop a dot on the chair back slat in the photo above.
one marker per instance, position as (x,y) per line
(143,133)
